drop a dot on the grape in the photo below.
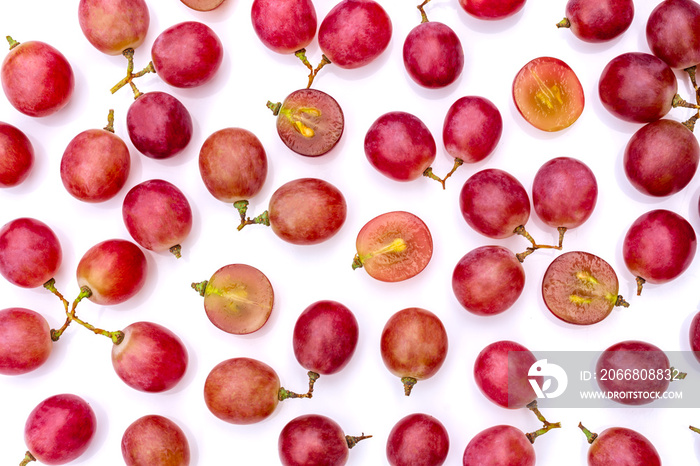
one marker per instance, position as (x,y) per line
(95,164)
(472,128)
(630,357)
(354,33)
(672,32)
(59,429)
(30,252)
(620,445)
(501,373)
(150,358)
(238,298)
(488,280)
(155,440)
(499,445)
(581,288)
(417,440)
(159,125)
(393,246)
(36,78)
(25,340)
(203,5)
(694,334)
(658,247)
(413,345)
(433,54)
(16,156)
(548,94)
(187,54)
(598,20)
(492,9)
(400,146)
(113,26)
(233,164)
(637,87)
(325,337)
(661,158)
(113,270)
(309,122)
(284,26)
(157,215)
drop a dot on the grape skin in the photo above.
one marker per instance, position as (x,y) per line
(30,252)
(599,21)
(433,55)
(155,440)
(113,26)
(672,33)
(25,341)
(472,128)
(16,156)
(284,26)
(499,445)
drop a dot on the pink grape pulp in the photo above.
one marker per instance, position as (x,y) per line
(30,252)
(284,26)
(433,55)
(25,341)
(113,26)
(16,156)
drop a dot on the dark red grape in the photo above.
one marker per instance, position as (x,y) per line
(155,440)
(492,9)
(581,288)
(548,94)
(472,128)
(433,54)
(113,26)
(661,158)
(16,156)
(400,146)
(159,125)
(637,87)
(417,440)
(500,445)
(620,445)
(233,164)
(354,33)
(95,164)
(488,280)
(284,26)
(59,429)
(25,340)
(672,32)
(203,5)
(394,246)
(413,345)
(633,372)
(501,372)
(309,122)
(658,247)
(150,358)
(157,215)
(37,79)
(694,334)
(187,54)
(238,298)
(325,337)
(314,440)
(598,20)
(30,252)
(114,271)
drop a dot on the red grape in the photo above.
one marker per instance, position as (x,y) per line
(157,215)
(492,9)
(150,358)
(658,247)
(472,128)
(694,334)
(16,156)
(159,125)
(113,26)
(187,54)
(488,280)
(548,94)
(620,445)
(500,445)
(155,440)
(30,252)
(501,373)
(672,32)
(60,429)
(114,270)
(637,87)
(203,5)
(25,340)
(394,246)
(354,33)
(284,26)
(417,440)
(598,20)
(400,146)
(661,158)
(37,79)
(413,345)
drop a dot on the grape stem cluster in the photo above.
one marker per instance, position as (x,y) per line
(130,75)
(546,425)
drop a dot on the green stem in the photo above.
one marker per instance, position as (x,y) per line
(13,43)
(590,436)
(694,429)
(242,207)
(130,75)
(546,425)
(429,172)
(640,284)
(424,17)
(200,287)
(176,251)
(564,23)
(679,101)
(283,393)
(520,230)
(28,458)
(352,441)
(110,122)
(690,122)
(408,383)
(301,55)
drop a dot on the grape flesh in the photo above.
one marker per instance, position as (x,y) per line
(620,445)
(472,128)
(433,55)
(155,440)
(16,156)
(672,32)
(312,439)
(499,446)
(30,252)
(501,372)
(492,9)
(284,26)
(598,21)
(113,26)
(25,341)
(417,440)
(400,146)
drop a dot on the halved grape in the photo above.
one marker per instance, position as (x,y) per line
(598,20)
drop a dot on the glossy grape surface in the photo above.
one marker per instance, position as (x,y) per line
(599,20)
(25,340)
(30,252)
(433,55)
(620,445)
(499,446)
(312,439)
(694,336)
(492,9)
(16,156)
(284,26)
(417,439)
(155,440)
(113,26)
(472,128)
(672,32)
(501,372)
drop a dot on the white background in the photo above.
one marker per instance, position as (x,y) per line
(364,397)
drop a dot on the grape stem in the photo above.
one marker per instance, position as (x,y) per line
(424,17)
(242,207)
(693,79)
(694,429)
(176,251)
(590,436)
(640,284)
(564,23)
(130,75)
(352,440)
(679,101)
(110,122)
(283,393)
(429,172)
(301,55)
(408,383)
(546,425)
(520,230)
(13,43)
(28,458)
